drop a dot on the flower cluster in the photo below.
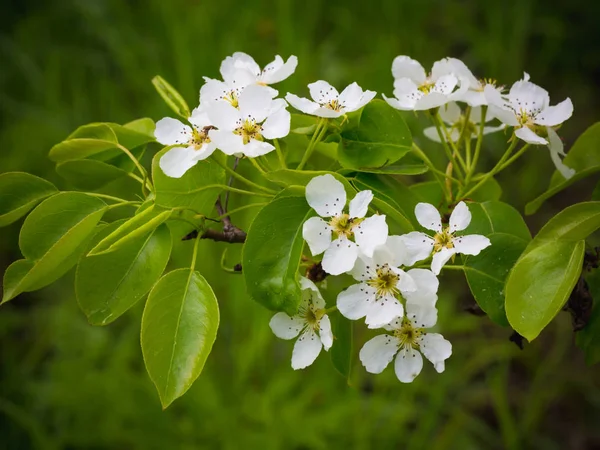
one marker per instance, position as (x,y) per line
(390,293)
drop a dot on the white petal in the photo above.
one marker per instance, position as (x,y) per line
(256,148)
(377,353)
(277,125)
(457,67)
(474,98)
(213,91)
(428,216)
(529,136)
(365,98)
(421,315)
(321,111)
(406,67)
(396,248)
(364,268)
(170,131)
(471,244)
(504,115)
(436,349)
(199,117)
(418,247)
(395,103)
(431,133)
(406,284)
(302,104)
(488,130)
(275,71)
(460,217)
(326,195)
(255,102)
(340,256)
(493,96)
(382,311)
(407,94)
(408,365)
(325,332)
(239,60)
(556,147)
(311,296)
(223,115)
(440,258)
(445,84)
(322,92)
(450,113)
(431,100)
(353,303)
(427,287)
(371,233)
(555,115)
(360,204)
(306,349)
(317,234)
(177,161)
(350,96)
(228,142)
(306,284)
(529,97)
(286,327)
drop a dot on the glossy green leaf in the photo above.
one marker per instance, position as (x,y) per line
(408,166)
(573,223)
(107,285)
(19,193)
(490,190)
(487,273)
(540,283)
(303,124)
(588,339)
(496,217)
(381,138)
(171,97)
(584,157)
(179,327)
(197,189)
(289,177)
(341,351)
(272,254)
(51,236)
(89,174)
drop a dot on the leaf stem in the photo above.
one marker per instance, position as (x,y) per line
(195,254)
(257,166)
(141,169)
(421,154)
(447,142)
(241,208)
(279,153)
(316,138)
(241,178)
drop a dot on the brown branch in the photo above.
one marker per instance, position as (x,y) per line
(230,233)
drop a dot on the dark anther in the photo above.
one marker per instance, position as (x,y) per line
(315,273)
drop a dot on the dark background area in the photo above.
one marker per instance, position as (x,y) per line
(65,384)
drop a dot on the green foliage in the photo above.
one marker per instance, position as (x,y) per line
(497,217)
(288,177)
(341,352)
(107,285)
(171,97)
(272,254)
(179,327)
(19,193)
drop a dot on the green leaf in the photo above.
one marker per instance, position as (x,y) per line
(108,285)
(588,339)
(289,177)
(584,157)
(408,166)
(490,190)
(428,192)
(272,254)
(145,125)
(496,217)
(382,138)
(197,189)
(303,124)
(171,97)
(487,273)
(89,174)
(540,283)
(179,327)
(52,238)
(573,223)
(19,193)
(341,351)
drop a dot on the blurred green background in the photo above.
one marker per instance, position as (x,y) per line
(67,385)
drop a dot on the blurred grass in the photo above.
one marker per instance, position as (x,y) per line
(65,384)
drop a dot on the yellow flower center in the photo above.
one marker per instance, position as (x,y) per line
(426,87)
(334,105)
(343,225)
(408,335)
(200,137)
(385,281)
(232,98)
(442,240)
(249,130)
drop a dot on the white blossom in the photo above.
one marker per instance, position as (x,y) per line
(190,142)
(311,323)
(445,243)
(527,108)
(327,197)
(328,102)
(274,72)
(407,340)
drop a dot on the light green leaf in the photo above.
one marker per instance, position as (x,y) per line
(496,217)
(289,177)
(540,283)
(381,138)
(108,285)
(179,328)
(19,193)
(171,97)
(573,223)
(303,124)
(89,174)
(272,254)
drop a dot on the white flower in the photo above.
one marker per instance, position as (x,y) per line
(415,91)
(311,323)
(455,119)
(274,72)
(408,339)
(382,282)
(444,244)
(327,197)
(527,108)
(192,143)
(229,90)
(328,102)
(243,130)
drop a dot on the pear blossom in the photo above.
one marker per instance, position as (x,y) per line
(190,143)
(229,90)
(455,120)
(414,90)
(527,108)
(327,197)
(243,130)
(311,323)
(328,102)
(407,340)
(383,284)
(274,72)
(445,243)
